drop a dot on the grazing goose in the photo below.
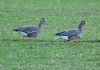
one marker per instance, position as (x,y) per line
(31,31)
(72,35)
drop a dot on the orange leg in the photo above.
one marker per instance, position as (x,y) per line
(30,41)
(22,39)
(75,41)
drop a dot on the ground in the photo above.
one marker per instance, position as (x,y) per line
(47,53)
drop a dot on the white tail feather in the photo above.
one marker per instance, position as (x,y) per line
(62,37)
(57,37)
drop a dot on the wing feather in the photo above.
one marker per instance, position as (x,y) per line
(67,33)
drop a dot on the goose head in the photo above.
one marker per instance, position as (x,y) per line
(82,23)
(43,21)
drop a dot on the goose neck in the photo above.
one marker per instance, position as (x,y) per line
(80,28)
(40,25)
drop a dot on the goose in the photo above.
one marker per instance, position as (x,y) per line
(31,31)
(72,35)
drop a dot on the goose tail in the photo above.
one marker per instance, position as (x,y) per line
(56,37)
(15,30)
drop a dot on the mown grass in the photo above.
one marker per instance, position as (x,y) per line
(47,53)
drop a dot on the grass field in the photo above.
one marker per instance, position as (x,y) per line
(47,53)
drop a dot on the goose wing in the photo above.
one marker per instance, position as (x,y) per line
(27,29)
(67,33)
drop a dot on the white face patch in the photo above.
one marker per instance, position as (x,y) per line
(23,33)
(46,20)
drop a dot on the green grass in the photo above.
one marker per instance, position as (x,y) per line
(47,53)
